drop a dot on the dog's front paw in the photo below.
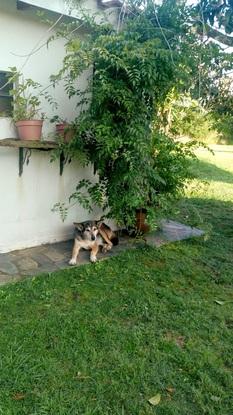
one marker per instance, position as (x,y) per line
(93,258)
(72,261)
(106,248)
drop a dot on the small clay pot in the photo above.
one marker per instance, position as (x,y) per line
(141,225)
(29,129)
(63,129)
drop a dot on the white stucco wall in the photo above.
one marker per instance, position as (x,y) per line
(73,8)
(68,7)
(25,202)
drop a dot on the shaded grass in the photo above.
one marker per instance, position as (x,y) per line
(103,339)
(210,172)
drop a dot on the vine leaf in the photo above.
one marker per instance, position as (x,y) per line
(155,399)
(18,396)
(219,302)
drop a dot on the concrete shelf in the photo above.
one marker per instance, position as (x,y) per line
(25,148)
(32,144)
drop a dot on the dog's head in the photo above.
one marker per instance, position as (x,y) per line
(87,230)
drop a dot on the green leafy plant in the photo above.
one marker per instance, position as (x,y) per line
(119,127)
(134,70)
(57,119)
(27,96)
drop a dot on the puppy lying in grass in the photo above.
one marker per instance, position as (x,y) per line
(92,235)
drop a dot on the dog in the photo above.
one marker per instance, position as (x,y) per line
(92,235)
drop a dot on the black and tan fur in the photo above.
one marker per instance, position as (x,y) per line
(92,235)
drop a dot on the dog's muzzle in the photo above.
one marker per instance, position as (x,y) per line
(93,238)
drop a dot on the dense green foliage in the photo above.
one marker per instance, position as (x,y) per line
(220,12)
(133,71)
(120,126)
(222,110)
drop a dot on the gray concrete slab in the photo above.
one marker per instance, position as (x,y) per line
(48,258)
(6,265)
(171,231)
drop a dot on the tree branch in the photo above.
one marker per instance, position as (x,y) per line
(215,34)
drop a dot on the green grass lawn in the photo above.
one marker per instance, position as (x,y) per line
(103,339)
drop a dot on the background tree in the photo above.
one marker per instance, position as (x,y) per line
(215,17)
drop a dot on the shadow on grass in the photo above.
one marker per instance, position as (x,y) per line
(209,172)
(214,250)
(210,213)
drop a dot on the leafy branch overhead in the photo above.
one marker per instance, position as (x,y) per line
(217,14)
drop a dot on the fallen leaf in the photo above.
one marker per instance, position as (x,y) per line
(219,302)
(215,398)
(18,396)
(155,399)
(229,323)
(168,397)
(81,376)
(170,390)
(178,340)
(76,296)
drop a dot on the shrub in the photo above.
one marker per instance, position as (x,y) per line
(133,71)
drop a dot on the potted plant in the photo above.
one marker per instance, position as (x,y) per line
(141,224)
(26,107)
(63,128)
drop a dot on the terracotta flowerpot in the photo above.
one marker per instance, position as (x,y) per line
(29,129)
(141,225)
(64,131)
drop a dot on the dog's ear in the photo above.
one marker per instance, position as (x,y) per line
(99,223)
(79,226)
